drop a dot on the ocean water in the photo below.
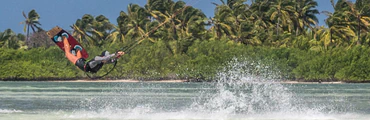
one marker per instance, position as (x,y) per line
(114,101)
(237,93)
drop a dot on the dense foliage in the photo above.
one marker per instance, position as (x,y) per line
(200,63)
(176,41)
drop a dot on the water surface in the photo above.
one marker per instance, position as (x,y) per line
(117,100)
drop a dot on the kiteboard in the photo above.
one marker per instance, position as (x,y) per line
(56,34)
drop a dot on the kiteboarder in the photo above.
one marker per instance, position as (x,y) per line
(93,65)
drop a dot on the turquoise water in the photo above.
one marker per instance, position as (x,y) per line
(243,90)
(219,100)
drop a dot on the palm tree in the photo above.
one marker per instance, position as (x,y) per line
(128,24)
(171,18)
(259,17)
(158,5)
(120,31)
(325,36)
(242,28)
(306,15)
(181,24)
(32,21)
(339,31)
(257,14)
(92,31)
(100,29)
(358,12)
(219,28)
(282,11)
(224,20)
(78,31)
(5,36)
(192,22)
(190,25)
(8,39)
(82,29)
(138,18)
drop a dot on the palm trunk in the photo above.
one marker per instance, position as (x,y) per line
(331,36)
(277,27)
(277,30)
(358,31)
(297,31)
(218,33)
(28,33)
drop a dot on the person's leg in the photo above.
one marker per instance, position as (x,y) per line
(67,51)
(79,54)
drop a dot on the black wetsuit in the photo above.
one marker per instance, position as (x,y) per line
(95,64)
(80,63)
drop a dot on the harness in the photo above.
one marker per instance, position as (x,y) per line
(88,69)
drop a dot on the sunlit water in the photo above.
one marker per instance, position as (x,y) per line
(237,94)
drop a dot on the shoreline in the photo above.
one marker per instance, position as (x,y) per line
(299,82)
(167,81)
(121,80)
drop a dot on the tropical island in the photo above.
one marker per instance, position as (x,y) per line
(176,41)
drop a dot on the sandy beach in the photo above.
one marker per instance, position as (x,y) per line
(298,82)
(178,81)
(121,80)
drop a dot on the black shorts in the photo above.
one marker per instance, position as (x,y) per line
(80,63)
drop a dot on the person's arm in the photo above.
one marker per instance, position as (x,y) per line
(98,59)
(107,58)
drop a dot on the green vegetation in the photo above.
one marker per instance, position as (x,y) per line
(174,42)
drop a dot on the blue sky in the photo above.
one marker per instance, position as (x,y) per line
(64,13)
